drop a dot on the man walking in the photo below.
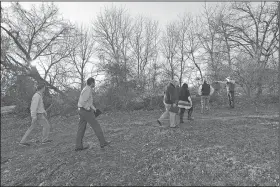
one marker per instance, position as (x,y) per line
(85,108)
(205,90)
(38,115)
(230,86)
(170,103)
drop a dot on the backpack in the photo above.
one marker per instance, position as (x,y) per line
(205,89)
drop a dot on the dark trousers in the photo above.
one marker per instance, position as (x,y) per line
(231,98)
(182,111)
(88,117)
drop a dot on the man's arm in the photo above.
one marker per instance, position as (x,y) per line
(190,99)
(211,90)
(223,82)
(199,90)
(34,105)
(84,98)
(93,107)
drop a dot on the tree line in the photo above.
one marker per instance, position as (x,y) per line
(134,55)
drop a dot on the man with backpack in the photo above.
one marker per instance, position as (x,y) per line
(205,90)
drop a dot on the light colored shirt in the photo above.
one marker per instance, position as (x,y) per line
(225,82)
(37,105)
(85,99)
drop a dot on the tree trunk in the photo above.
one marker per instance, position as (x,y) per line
(279,64)
(248,88)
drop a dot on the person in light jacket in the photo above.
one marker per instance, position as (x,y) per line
(38,115)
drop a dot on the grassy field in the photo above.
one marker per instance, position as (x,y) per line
(225,147)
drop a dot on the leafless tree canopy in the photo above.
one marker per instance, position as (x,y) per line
(135,56)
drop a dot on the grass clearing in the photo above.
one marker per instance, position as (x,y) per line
(226,147)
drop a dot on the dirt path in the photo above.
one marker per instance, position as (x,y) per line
(269,117)
(274,118)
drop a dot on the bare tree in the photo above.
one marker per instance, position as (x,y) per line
(225,16)
(82,54)
(256,34)
(278,10)
(169,49)
(183,24)
(210,40)
(144,45)
(193,45)
(112,31)
(32,33)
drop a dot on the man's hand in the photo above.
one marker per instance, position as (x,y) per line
(174,105)
(93,108)
(46,113)
(34,118)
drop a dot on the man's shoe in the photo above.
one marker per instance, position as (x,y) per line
(191,119)
(105,144)
(159,122)
(48,141)
(181,121)
(81,149)
(175,126)
(24,144)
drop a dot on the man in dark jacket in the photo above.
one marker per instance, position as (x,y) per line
(205,90)
(170,102)
(185,102)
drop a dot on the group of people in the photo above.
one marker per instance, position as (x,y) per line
(176,100)
(86,112)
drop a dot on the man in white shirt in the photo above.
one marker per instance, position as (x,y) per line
(85,108)
(38,115)
(230,86)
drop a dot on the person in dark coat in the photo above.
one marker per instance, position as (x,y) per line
(170,102)
(185,102)
(205,90)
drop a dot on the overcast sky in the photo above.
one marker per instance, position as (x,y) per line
(85,12)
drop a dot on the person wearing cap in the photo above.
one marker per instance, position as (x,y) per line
(85,109)
(230,86)
(170,103)
(205,90)
(38,115)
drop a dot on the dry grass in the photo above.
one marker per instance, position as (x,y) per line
(212,151)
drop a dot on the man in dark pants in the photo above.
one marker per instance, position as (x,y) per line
(85,109)
(230,91)
(230,86)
